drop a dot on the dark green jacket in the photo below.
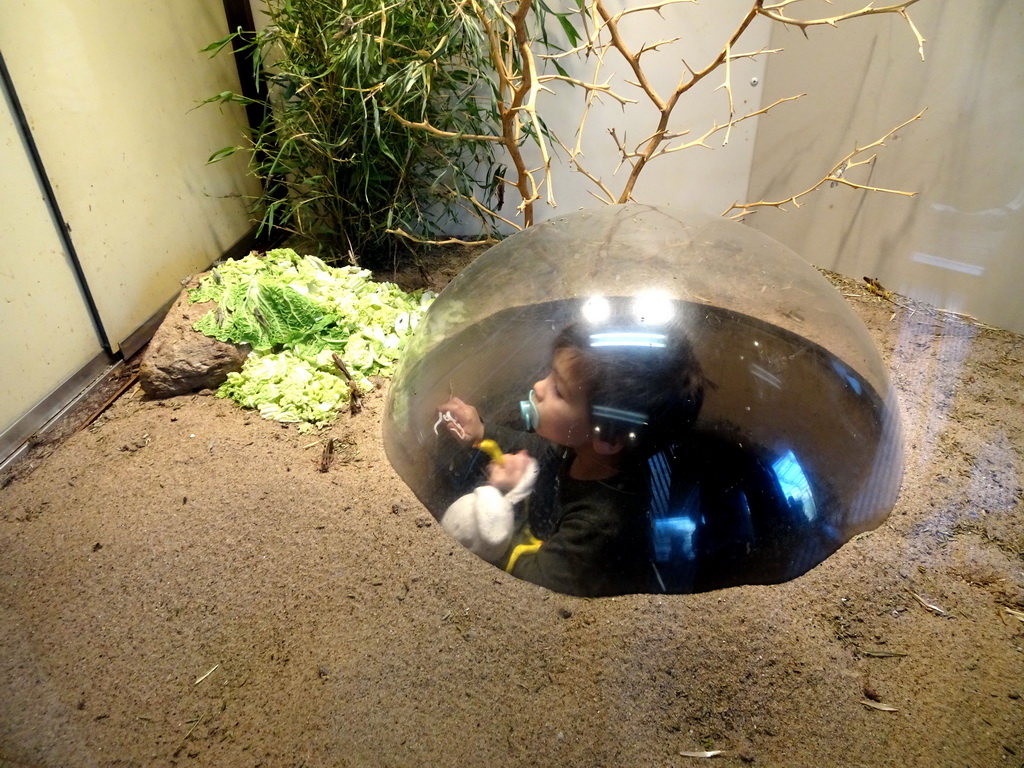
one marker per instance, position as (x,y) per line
(595,538)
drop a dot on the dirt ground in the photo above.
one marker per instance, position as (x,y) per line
(180,584)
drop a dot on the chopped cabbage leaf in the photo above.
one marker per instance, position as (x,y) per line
(296,312)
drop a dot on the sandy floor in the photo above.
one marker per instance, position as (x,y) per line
(181,585)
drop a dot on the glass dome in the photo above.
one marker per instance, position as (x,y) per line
(797,446)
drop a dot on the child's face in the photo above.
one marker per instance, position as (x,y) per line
(561,405)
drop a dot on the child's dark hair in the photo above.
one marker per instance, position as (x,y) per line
(643,389)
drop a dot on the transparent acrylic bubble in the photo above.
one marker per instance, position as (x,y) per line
(797,447)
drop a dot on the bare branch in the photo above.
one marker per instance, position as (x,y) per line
(696,77)
(666,107)
(425,126)
(608,196)
(612,24)
(776,12)
(835,176)
(601,88)
(728,90)
(913,28)
(702,141)
(447,241)
(647,47)
(656,7)
(489,212)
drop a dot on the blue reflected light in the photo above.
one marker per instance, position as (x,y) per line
(852,380)
(627,339)
(795,486)
(718,507)
(661,482)
(618,414)
(673,538)
(672,535)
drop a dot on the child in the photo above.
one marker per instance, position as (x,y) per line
(610,401)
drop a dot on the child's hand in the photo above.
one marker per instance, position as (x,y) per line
(467,417)
(506,475)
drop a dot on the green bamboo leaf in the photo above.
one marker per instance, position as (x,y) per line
(216,47)
(333,164)
(568,29)
(222,154)
(226,97)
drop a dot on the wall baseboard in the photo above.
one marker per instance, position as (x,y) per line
(17,439)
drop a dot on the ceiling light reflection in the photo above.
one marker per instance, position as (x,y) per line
(596,309)
(653,308)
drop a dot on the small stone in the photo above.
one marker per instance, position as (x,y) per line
(180,360)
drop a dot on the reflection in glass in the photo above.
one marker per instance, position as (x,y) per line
(797,447)
(795,487)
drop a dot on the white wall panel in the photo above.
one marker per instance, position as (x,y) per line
(46,334)
(959,243)
(109,87)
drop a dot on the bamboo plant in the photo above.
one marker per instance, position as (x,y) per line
(388,121)
(337,166)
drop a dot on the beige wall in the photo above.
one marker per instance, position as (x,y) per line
(959,243)
(46,334)
(108,88)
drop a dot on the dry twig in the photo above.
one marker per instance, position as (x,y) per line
(931,607)
(327,456)
(878,705)
(1013,614)
(776,12)
(835,176)
(206,675)
(519,83)
(706,753)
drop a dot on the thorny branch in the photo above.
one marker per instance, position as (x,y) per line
(435,131)
(835,176)
(447,241)
(518,95)
(776,12)
(519,83)
(606,36)
(651,146)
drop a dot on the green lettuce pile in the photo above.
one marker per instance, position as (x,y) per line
(297,313)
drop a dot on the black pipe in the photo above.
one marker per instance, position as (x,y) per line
(44,181)
(240,20)
(238,14)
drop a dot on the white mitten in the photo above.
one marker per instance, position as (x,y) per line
(484,521)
